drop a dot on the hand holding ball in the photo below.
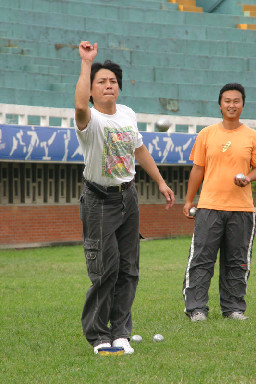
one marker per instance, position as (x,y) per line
(240,176)
(192,211)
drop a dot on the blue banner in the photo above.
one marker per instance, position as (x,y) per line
(52,144)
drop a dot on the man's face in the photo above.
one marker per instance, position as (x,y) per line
(105,89)
(231,105)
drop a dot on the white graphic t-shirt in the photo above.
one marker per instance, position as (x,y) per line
(108,144)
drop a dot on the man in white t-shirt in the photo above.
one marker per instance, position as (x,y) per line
(110,141)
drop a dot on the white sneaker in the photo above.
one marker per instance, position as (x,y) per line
(103,345)
(123,343)
(198,316)
(237,316)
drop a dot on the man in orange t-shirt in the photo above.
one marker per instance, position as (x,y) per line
(225,218)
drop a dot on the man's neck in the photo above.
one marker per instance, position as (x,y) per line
(107,109)
(230,124)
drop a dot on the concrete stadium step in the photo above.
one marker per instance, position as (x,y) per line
(152,78)
(14,50)
(45,34)
(178,91)
(12,79)
(128,44)
(128,59)
(78,21)
(61,87)
(173,92)
(43,98)
(177,60)
(40,64)
(63,38)
(174,31)
(132,62)
(193,46)
(72,20)
(183,72)
(149,30)
(19,79)
(182,107)
(135,88)
(183,76)
(39,81)
(41,18)
(28,64)
(140,105)
(42,69)
(212,19)
(132,58)
(44,49)
(78,7)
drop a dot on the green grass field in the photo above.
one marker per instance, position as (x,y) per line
(42,295)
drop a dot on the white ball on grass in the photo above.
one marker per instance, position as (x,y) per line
(158,338)
(136,339)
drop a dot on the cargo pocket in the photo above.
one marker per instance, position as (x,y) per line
(92,251)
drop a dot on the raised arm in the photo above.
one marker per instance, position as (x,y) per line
(195,179)
(148,164)
(87,53)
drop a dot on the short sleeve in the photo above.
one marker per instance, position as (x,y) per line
(198,152)
(253,156)
(139,138)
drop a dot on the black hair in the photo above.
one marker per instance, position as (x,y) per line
(108,64)
(232,87)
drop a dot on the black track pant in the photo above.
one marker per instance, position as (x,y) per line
(232,233)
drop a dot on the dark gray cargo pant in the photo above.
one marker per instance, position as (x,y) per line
(232,233)
(111,246)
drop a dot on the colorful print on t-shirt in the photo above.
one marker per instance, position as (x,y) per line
(118,151)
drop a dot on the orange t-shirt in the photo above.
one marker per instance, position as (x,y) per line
(225,153)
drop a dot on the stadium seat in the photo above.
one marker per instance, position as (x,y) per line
(187,5)
(187,8)
(249,10)
(248,7)
(250,13)
(246,26)
(192,3)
